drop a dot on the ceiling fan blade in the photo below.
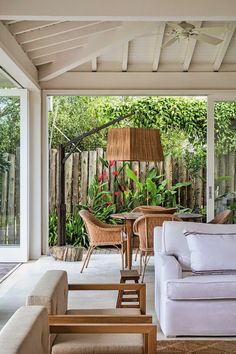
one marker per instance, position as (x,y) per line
(175,26)
(169,42)
(212,30)
(208,39)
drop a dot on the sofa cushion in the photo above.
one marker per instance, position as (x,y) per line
(51,291)
(98,343)
(174,241)
(205,287)
(212,252)
(26,332)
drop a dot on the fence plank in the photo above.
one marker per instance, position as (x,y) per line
(75,181)
(84,177)
(11,200)
(68,183)
(53,179)
(92,165)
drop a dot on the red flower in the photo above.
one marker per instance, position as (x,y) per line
(111,163)
(116,194)
(122,188)
(135,172)
(109,203)
(100,177)
(115,173)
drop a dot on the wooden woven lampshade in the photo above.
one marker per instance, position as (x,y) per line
(134,144)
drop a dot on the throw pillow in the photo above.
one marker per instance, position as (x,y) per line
(212,252)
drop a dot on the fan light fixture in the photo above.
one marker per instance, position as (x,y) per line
(134,144)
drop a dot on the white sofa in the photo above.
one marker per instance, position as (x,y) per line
(188,304)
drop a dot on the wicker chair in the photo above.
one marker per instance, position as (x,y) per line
(144,227)
(222,218)
(101,234)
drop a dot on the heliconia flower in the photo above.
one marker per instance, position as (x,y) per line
(109,203)
(135,172)
(100,177)
(122,188)
(111,163)
(115,173)
(116,194)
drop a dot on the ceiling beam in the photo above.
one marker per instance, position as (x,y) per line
(158,10)
(51,58)
(158,44)
(145,81)
(25,26)
(64,37)
(96,46)
(49,31)
(125,56)
(15,61)
(222,49)
(58,48)
(191,43)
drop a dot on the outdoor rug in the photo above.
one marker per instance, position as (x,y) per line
(6,269)
(196,346)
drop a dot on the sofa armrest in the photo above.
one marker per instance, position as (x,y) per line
(169,267)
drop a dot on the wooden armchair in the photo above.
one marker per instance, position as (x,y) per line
(144,228)
(101,234)
(88,331)
(222,218)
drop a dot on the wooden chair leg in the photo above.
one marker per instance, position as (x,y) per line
(144,266)
(85,259)
(140,263)
(90,253)
(136,254)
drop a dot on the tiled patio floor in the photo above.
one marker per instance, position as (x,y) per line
(103,268)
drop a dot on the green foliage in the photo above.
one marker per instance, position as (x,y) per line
(9,124)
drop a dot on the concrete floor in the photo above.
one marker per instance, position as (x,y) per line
(103,268)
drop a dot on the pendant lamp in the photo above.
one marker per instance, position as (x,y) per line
(134,144)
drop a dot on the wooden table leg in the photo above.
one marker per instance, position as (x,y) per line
(129,232)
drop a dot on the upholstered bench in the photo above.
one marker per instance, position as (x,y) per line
(123,330)
(26,332)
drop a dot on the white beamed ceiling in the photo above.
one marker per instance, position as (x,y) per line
(56,47)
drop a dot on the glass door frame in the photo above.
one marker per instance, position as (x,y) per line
(212,99)
(20,253)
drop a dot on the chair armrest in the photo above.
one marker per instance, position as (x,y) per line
(73,319)
(125,286)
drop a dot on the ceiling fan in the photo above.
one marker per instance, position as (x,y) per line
(186,30)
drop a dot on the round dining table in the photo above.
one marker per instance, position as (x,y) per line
(129,219)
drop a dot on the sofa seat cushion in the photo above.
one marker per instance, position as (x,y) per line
(98,344)
(209,287)
(106,312)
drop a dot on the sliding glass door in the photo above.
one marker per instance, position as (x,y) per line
(13,175)
(222,148)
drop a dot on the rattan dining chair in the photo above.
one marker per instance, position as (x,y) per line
(222,218)
(144,228)
(153,209)
(101,234)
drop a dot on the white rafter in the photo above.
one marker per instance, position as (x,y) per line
(64,37)
(45,60)
(191,43)
(57,48)
(97,45)
(224,46)
(57,29)
(125,55)
(25,26)
(94,64)
(158,44)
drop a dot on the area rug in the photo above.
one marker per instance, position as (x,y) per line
(196,346)
(6,269)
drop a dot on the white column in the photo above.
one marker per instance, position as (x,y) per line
(210,159)
(35,170)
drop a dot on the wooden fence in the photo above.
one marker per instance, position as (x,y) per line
(10,201)
(81,168)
